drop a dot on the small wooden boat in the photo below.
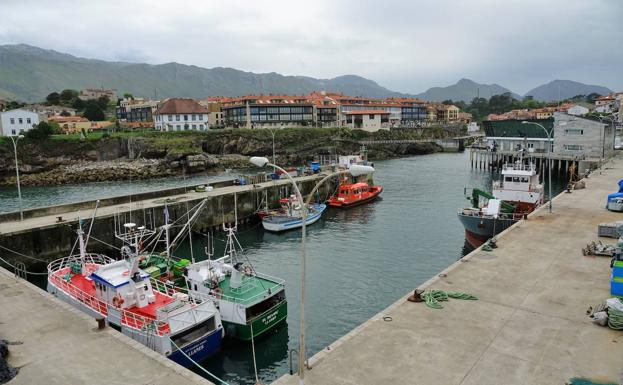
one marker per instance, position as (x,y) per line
(349,195)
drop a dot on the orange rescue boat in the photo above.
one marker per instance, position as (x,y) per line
(349,195)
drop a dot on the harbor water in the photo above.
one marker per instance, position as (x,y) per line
(359,260)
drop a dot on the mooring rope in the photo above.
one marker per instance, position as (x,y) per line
(197,365)
(433,297)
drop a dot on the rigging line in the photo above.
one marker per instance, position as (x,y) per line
(197,365)
(107,244)
(23,255)
(26,271)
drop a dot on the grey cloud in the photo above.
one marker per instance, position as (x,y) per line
(404,45)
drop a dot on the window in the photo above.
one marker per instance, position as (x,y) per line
(371,116)
(170,118)
(194,126)
(12,132)
(201,116)
(515,179)
(193,117)
(574,132)
(572,147)
(28,120)
(524,179)
(201,126)
(20,121)
(508,179)
(185,118)
(177,127)
(12,120)
(177,118)
(530,145)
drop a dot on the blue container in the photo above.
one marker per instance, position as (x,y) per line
(616,287)
(617,269)
(315,166)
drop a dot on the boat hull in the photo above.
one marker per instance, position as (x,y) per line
(479,229)
(270,224)
(198,350)
(334,202)
(261,323)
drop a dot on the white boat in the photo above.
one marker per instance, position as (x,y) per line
(291,215)
(150,312)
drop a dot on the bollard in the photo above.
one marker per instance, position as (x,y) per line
(101,323)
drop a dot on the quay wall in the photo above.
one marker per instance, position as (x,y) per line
(51,240)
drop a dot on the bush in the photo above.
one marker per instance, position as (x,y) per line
(41,132)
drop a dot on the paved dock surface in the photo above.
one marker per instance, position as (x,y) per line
(10,227)
(528,327)
(60,345)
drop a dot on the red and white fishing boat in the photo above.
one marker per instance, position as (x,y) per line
(353,194)
(157,316)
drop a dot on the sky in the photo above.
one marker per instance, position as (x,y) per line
(406,46)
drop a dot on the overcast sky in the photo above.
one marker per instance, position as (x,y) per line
(406,46)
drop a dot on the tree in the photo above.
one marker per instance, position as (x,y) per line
(65,113)
(128,95)
(67,96)
(53,99)
(93,111)
(77,103)
(41,132)
(103,101)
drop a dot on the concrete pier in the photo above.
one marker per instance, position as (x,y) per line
(56,344)
(528,327)
(43,236)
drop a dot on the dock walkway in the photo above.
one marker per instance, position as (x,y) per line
(12,227)
(61,345)
(528,327)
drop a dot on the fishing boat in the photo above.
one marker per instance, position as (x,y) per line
(517,194)
(353,194)
(291,215)
(150,312)
(251,303)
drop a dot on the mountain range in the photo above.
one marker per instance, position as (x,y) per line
(30,73)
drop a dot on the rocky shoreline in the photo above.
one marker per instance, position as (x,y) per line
(57,162)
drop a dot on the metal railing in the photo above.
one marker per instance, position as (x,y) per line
(471,212)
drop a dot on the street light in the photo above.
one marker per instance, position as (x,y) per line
(354,170)
(549,160)
(603,143)
(19,191)
(272,132)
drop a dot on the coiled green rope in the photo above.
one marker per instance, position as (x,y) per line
(433,297)
(615,319)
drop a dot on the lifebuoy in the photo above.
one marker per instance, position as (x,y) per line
(117,300)
(248,270)
(142,297)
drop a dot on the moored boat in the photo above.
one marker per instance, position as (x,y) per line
(291,215)
(516,195)
(251,303)
(349,195)
(150,312)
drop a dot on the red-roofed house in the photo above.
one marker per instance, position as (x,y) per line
(178,114)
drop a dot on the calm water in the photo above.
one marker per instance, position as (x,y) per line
(33,197)
(359,260)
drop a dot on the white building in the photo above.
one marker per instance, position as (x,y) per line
(577,110)
(181,115)
(17,122)
(367,120)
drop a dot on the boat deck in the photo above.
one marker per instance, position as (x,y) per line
(256,289)
(87,286)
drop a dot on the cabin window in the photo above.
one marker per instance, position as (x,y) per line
(525,179)
(515,179)
(195,287)
(508,179)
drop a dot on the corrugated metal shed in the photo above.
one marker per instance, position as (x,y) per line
(515,129)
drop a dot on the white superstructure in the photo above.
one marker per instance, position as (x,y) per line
(519,183)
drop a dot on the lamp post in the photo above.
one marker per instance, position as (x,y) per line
(355,170)
(19,191)
(549,160)
(272,132)
(603,143)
